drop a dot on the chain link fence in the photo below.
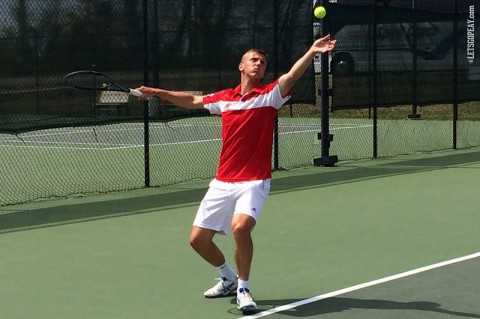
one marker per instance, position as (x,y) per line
(403,77)
(58,142)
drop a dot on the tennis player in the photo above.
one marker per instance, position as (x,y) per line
(236,195)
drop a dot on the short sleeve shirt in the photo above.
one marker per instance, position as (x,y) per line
(247,130)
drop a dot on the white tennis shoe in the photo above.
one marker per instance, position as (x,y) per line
(223,288)
(245,301)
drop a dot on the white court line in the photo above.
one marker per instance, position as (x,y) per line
(318,129)
(108,146)
(101,146)
(361,286)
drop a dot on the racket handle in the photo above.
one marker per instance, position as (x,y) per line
(135,92)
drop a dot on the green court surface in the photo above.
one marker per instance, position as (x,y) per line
(324,238)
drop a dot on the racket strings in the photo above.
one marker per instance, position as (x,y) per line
(89,81)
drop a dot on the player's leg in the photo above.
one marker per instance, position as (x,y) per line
(201,240)
(251,199)
(242,226)
(247,210)
(213,217)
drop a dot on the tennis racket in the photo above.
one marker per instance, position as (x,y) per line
(92,80)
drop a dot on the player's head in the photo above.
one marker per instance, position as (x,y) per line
(253,64)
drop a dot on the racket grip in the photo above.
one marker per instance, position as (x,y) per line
(135,92)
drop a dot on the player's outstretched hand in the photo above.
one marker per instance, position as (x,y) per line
(324,44)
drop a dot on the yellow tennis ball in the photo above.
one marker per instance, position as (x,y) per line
(320,12)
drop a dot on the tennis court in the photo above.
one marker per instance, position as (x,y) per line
(187,132)
(104,158)
(82,235)
(366,239)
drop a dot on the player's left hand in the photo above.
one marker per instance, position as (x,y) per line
(324,44)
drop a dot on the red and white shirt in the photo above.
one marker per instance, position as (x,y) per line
(247,130)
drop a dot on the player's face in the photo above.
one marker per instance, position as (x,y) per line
(253,65)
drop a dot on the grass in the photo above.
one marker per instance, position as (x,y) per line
(353,89)
(468,111)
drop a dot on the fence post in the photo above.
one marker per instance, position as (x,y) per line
(325,136)
(275,70)
(146,130)
(455,74)
(375,81)
(414,115)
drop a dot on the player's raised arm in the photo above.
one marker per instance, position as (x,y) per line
(182,99)
(288,80)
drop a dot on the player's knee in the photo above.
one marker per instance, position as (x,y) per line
(242,230)
(195,241)
(242,225)
(199,239)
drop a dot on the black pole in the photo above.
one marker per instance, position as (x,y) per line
(275,70)
(325,121)
(146,131)
(325,136)
(455,74)
(375,81)
(414,114)
(155,67)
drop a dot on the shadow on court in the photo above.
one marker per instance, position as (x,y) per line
(51,216)
(338,305)
(18,220)
(357,173)
(445,292)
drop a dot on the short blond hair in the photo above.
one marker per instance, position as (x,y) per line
(255,50)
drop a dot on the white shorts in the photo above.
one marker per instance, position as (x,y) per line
(223,199)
